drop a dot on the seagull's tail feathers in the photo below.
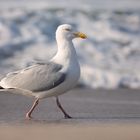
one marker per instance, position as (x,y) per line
(17,91)
(1,88)
(4,89)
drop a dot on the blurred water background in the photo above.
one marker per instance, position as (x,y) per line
(109,58)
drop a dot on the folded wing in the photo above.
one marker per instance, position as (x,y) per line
(36,78)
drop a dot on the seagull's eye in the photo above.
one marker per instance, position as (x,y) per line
(67,29)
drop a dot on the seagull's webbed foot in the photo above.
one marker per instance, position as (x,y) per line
(66,116)
(28,116)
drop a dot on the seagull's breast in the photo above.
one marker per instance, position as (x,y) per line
(73,73)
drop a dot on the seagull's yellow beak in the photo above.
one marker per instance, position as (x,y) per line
(81,35)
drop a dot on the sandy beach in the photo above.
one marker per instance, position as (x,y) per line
(63,132)
(97,114)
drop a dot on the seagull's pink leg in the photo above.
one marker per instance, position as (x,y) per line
(67,116)
(28,115)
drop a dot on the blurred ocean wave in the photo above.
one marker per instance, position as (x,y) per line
(109,58)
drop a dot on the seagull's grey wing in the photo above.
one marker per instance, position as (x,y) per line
(36,78)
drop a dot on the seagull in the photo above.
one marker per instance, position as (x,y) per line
(53,78)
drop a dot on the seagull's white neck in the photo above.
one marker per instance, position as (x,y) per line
(66,52)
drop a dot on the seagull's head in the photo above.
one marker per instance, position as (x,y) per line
(66,31)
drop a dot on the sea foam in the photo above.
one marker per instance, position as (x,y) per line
(109,58)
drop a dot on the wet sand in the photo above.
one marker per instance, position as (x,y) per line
(97,114)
